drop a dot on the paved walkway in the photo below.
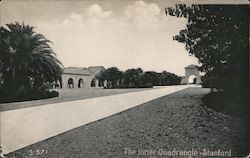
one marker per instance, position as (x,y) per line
(23,127)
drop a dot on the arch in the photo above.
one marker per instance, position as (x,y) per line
(192,74)
(192,79)
(80,83)
(70,83)
(93,82)
(100,83)
(195,81)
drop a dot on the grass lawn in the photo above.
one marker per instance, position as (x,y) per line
(176,121)
(69,95)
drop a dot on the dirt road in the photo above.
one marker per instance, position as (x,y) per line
(173,122)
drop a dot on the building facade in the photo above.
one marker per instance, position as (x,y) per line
(77,77)
(192,75)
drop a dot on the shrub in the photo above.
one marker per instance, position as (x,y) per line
(208,80)
(148,85)
(25,94)
(234,105)
(54,94)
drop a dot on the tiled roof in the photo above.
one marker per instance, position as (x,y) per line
(76,70)
(191,66)
(93,69)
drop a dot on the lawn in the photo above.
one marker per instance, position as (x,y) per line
(69,95)
(176,121)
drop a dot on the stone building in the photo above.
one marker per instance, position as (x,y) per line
(192,75)
(77,77)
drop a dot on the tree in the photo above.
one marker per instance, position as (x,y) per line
(136,78)
(168,78)
(218,36)
(27,61)
(147,79)
(112,75)
(155,77)
(133,77)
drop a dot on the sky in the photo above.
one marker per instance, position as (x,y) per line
(121,33)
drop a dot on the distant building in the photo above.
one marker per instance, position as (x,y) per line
(77,77)
(192,75)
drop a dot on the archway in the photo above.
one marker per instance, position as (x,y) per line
(80,83)
(93,82)
(192,79)
(70,83)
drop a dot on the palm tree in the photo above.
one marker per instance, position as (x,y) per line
(26,56)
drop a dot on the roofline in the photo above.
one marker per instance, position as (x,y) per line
(95,66)
(76,74)
(95,70)
(187,67)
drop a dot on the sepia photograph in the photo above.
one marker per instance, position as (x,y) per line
(124,79)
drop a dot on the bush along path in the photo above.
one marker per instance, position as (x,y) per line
(178,121)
